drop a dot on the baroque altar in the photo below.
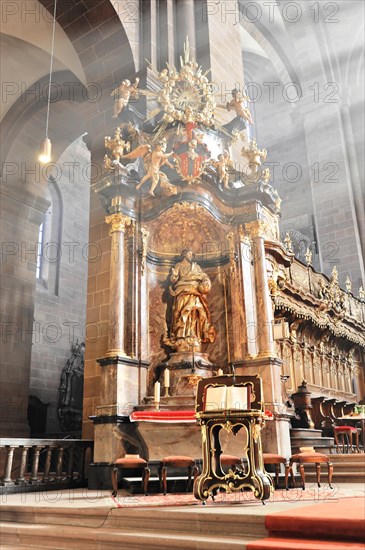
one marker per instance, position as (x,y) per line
(197,267)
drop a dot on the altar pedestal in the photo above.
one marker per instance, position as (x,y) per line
(159,439)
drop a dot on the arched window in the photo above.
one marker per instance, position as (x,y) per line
(49,241)
(39,251)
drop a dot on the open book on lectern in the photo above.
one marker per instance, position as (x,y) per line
(227,398)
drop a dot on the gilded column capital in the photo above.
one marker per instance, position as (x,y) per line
(245,238)
(257,228)
(118,222)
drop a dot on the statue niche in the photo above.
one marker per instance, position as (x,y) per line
(190,324)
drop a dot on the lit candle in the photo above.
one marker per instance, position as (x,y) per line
(220,372)
(166,378)
(157,392)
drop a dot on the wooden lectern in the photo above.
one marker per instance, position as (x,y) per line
(231,403)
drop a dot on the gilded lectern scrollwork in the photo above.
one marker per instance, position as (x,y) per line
(231,403)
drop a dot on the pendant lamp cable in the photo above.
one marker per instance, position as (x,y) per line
(51,66)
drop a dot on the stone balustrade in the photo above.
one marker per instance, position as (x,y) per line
(30,464)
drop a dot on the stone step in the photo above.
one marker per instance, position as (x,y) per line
(193,520)
(338,477)
(344,467)
(315,444)
(65,537)
(304,432)
(324,449)
(329,441)
(349,458)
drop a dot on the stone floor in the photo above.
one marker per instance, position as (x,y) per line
(78,519)
(90,499)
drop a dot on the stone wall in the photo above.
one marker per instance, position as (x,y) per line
(315,139)
(60,296)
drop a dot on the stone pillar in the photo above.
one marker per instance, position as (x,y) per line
(250,348)
(25,208)
(116,345)
(166,45)
(149,33)
(185,17)
(120,376)
(264,313)
(355,180)
(334,192)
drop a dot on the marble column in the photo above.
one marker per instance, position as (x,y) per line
(236,337)
(245,257)
(121,374)
(116,345)
(264,312)
(265,363)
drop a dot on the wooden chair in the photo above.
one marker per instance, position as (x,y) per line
(346,432)
(309,456)
(130,463)
(176,462)
(276,460)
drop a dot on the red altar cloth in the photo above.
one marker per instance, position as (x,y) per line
(172,416)
(163,416)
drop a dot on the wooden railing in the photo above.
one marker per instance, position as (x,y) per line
(30,464)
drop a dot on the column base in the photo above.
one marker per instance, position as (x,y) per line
(276,435)
(117,353)
(121,387)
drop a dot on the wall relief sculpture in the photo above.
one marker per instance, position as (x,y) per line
(71,390)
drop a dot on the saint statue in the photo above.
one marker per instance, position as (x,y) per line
(191,324)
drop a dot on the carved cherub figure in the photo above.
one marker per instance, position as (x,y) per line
(192,154)
(154,160)
(223,164)
(117,146)
(122,95)
(254,156)
(237,104)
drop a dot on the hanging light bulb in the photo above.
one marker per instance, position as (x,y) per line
(45,150)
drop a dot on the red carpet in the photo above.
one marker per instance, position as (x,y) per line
(301,544)
(330,526)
